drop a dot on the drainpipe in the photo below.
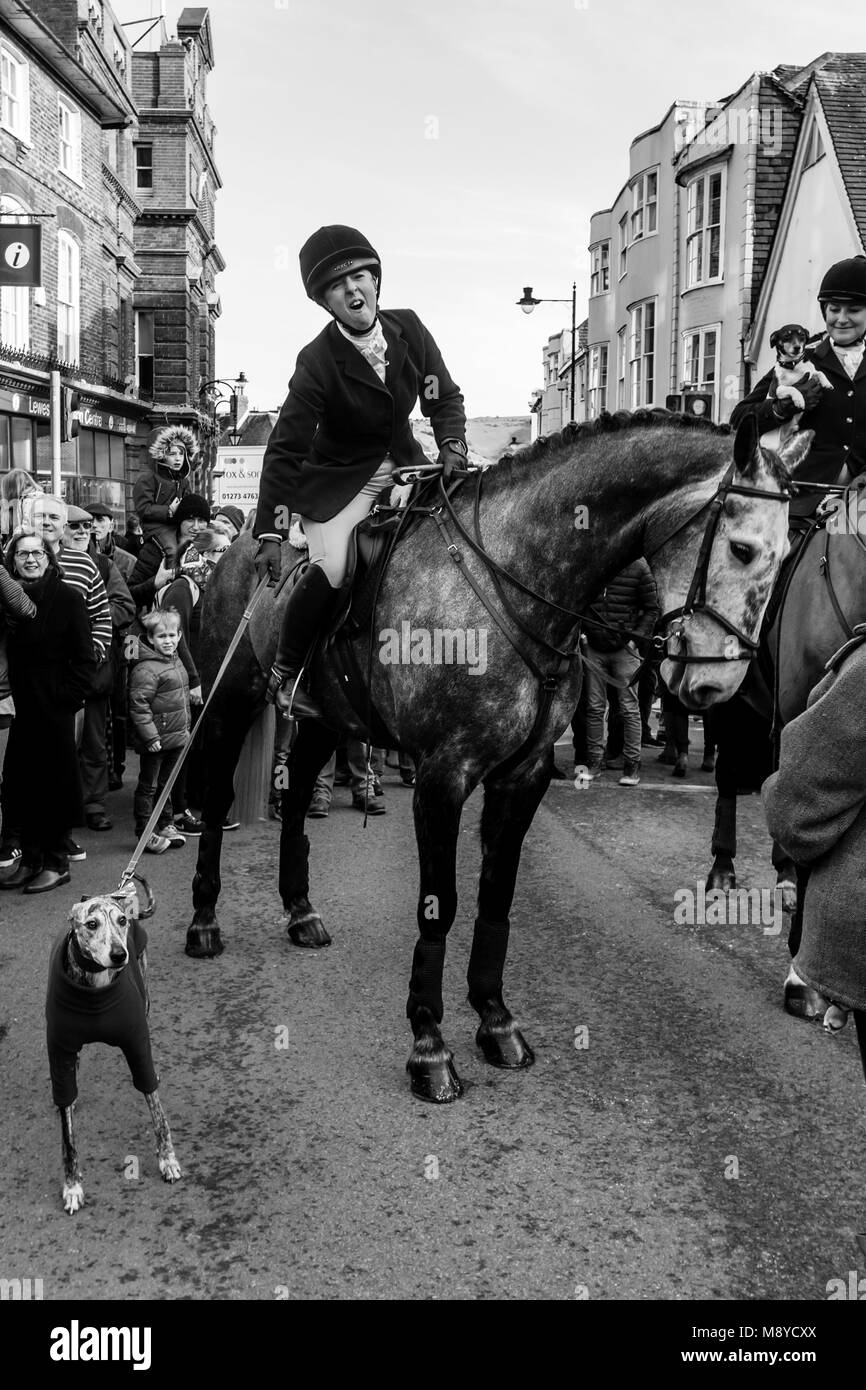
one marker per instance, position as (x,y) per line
(747,264)
(675,290)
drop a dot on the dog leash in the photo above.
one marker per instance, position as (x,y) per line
(129,872)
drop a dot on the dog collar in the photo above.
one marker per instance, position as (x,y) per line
(81,960)
(790,363)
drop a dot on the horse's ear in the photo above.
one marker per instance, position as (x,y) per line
(747,452)
(795,450)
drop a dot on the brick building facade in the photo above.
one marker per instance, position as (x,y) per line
(127,304)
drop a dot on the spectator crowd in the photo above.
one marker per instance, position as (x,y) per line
(99,636)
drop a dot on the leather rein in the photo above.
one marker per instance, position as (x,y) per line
(695,601)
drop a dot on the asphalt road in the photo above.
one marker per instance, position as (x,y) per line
(696,1142)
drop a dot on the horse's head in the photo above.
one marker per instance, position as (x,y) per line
(716,572)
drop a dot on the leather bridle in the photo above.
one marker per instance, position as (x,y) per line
(696,598)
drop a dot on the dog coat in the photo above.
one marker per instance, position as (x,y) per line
(115,1015)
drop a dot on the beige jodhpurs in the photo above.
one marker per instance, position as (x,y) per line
(328,541)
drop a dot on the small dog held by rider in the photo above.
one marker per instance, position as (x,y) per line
(790,372)
(97,992)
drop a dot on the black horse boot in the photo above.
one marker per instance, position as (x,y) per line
(309,603)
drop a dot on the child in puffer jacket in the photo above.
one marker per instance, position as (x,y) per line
(159,716)
(162,485)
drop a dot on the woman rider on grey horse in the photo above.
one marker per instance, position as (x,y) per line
(343,430)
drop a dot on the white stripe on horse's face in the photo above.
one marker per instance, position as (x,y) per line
(749,544)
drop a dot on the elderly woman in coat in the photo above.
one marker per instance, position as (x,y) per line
(816,809)
(51,669)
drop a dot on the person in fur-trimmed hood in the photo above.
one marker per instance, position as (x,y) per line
(159,489)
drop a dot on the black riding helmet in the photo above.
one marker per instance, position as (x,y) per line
(845,282)
(334,251)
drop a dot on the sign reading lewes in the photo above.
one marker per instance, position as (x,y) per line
(20,254)
(20,403)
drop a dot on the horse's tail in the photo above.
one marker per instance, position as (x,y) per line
(253,772)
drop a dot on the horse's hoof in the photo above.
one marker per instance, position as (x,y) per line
(835,1018)
(802,1001)
(504,1046)
(435,1079)
(724,879)
(203,942)
(789,894)
(307,929)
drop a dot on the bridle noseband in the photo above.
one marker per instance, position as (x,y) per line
(696,598)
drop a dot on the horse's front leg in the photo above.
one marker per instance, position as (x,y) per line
(439,796)
(509,808)
(312,748)
(224,732)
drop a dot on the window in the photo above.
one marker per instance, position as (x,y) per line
(645,193)
(14,299)
(642,353)
(193,180)
(15,89)
(600,280)
(144,351)
(623,245)
(621,360)
(704,229)
(68,292)
(700,359)
(70,139)
(597,380)
(144,166)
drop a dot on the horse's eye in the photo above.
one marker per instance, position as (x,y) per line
(92,923)
(121,921)
(744,553)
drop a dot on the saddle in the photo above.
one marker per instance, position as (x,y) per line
(370,547)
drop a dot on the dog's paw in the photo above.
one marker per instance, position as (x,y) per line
(170,1168)
(73,1197)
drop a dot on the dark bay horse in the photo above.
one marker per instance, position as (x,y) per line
(824,598)
(560,519)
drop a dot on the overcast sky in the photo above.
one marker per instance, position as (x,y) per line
(470,140)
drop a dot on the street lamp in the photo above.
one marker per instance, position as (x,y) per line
(235,388)
(528,303)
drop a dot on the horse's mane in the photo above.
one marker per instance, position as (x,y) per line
(551,448)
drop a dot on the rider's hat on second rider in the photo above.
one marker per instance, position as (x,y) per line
(343,430)
(837,415)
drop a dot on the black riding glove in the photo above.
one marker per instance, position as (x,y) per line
(267,559)
(811,390)
(784,408)
(451,456)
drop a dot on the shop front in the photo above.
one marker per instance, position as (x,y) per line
(94,466)
(25,419)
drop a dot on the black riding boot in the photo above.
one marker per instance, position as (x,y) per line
(309,603)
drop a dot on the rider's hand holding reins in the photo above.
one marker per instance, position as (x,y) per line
(452,455)
(267,559)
